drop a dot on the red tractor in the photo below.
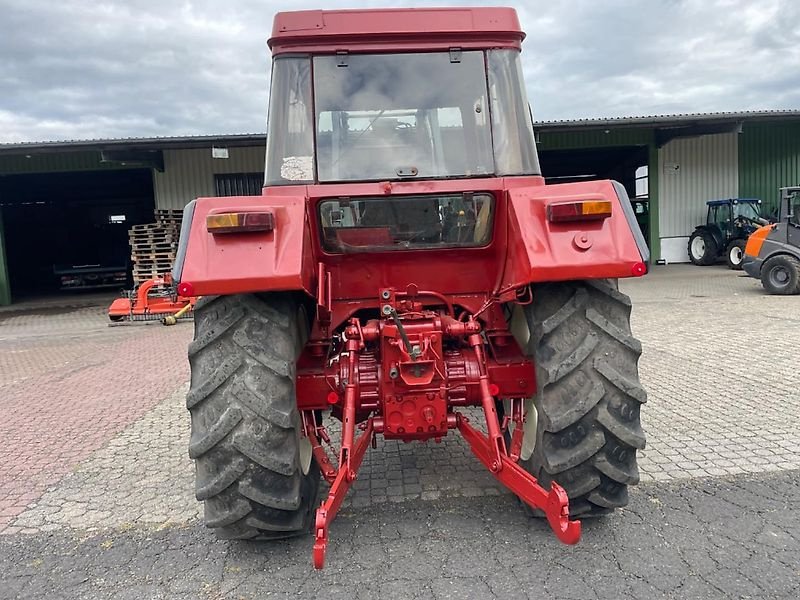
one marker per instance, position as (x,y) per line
(406,260)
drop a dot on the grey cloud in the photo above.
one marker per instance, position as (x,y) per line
(103,68)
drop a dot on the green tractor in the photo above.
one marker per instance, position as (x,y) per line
(728,225)
(773,252)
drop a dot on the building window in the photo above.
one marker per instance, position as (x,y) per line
(239,184)
(642,182)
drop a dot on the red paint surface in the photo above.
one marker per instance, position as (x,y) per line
(525,247)
(395,29)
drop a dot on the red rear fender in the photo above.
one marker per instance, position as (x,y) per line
(582,249)
(231,263)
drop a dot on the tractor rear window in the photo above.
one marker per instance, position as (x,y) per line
(406,223)
(390,116)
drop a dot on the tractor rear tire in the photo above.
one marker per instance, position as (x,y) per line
(254,471)
(588,393)
(702,248)
(734,255)
(781,275)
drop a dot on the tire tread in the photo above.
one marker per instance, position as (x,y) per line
(245,424)
(589,394)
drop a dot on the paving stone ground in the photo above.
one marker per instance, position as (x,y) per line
(720,367)
(68,384)
(94,456)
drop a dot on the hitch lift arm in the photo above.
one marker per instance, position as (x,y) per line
(554,503)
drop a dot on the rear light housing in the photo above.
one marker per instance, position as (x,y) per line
(240,222)
(582,210)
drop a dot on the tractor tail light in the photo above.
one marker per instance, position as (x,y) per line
(638,269)
(585,210)
(240,222)
(185,289)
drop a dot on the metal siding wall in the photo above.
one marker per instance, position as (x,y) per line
(769,158)
(708,170)
(189,174)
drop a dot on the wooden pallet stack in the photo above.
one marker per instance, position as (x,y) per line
(153,245)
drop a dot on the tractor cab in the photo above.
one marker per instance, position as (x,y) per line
(789,210)
(789,220)
(729,223)
(397,109)
(361,117)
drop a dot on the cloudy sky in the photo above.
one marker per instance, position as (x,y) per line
(76,69)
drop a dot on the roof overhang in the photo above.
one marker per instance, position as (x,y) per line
(669,127)
(136,144)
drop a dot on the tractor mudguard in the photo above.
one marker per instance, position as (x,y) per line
(234,262)
(580,248)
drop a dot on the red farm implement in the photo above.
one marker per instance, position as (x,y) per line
(153,300)
(406,261)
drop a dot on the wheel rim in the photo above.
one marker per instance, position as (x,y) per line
(779,276)
(736,255)
(698,247)
(306,454)
(529,428)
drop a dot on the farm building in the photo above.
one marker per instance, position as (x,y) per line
(70,204)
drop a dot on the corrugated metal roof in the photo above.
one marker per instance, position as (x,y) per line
(157,142)
(670,120)
(247,139)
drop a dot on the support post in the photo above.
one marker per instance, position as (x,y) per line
(5,283)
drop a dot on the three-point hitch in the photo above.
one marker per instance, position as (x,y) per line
(411,367)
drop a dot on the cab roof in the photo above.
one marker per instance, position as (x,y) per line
(733,200)
(404,29)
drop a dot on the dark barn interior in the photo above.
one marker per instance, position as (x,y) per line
(616,162)
(69,231)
